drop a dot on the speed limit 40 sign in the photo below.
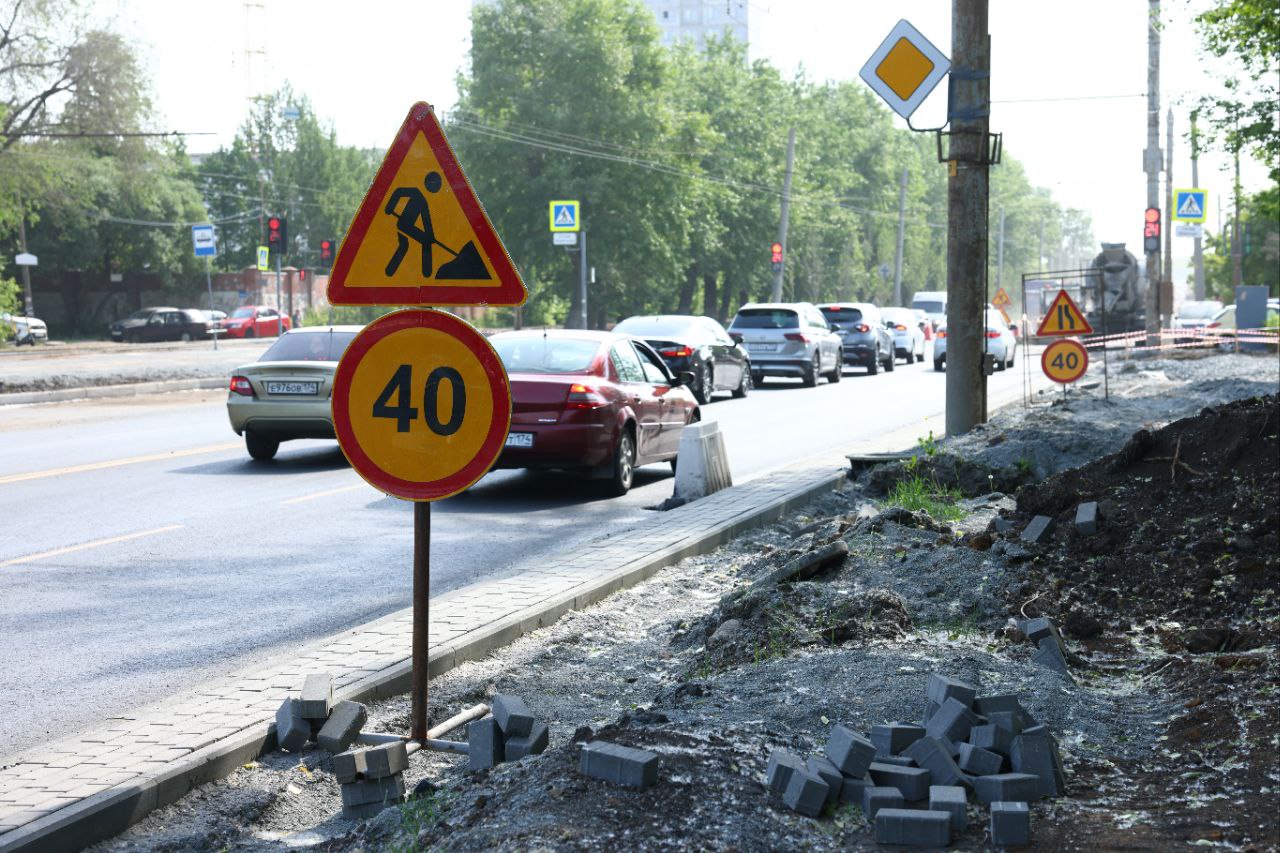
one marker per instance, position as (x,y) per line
(421,404)
(1064,361)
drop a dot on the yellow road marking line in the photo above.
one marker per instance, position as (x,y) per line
(70,549)
(116,463)
(323,494)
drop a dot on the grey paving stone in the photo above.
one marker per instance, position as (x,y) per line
(1050,655)
(993,737)
(911,782)
(781,765)
(952,722)
(513,716)
(891,739)
(292,732)
(1010,824)
(827,772)
(1007,787)
(806,793)
(941,688)
(385,759)
(935,756)
(1007,720)
(951,799)
(849,751)
(930,708)
(622,765)
(977,761)
(485,747)
(913,827)
(366,811)
(1003,525)
(344,724)
(348,766)
(877,797)
(534,743)
(899,760)
(365,791)
(1087,518)
(851,790)
(317,696)
(1033,754)
(1037,530)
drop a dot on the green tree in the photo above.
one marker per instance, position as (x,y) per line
(1259,249)
(10,300)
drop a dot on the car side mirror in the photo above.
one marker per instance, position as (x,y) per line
(684,377)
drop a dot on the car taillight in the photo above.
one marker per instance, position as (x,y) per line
(584,397)
(797,336)
(737,337)
(991,333)
(1213,325)
(942,333)
(862,327)
(241,385)
(900,327)
(682,352)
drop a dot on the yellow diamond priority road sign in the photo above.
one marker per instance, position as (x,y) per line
(905,68)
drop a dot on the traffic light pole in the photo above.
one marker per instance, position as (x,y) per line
(1152,161)
(279,303)
(776,294)
(582,275)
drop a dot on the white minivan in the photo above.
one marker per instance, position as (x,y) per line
(932,303)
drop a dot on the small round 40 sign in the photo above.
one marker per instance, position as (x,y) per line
(1065,360)
(421,404)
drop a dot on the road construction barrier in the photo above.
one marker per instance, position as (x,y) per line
(702,466)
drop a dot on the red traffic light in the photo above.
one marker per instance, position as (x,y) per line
(277,228)
(273,223)
(776,248)
(1153,214)
(326,250)
(302,275)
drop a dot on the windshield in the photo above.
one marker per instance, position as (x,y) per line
(242,312)
(140,315)
(931,307)
(766,318)
(841,317)
(534,354)
(655,327)
(1199,310)
(308,346)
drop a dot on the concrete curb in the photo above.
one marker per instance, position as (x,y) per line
(95,392)
(110,812)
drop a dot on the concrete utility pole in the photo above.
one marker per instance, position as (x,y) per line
(1237,247)
(1195,182)
(786,212)
(967,211)
(30,308)
(1166,301)
(582,277)
(902,230)
(1151,160)
(1000,251)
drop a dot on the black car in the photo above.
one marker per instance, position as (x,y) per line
(698,345)
(867,341)
(162,324)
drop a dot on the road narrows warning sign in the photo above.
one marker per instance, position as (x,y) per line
(421,237)
(1064,317)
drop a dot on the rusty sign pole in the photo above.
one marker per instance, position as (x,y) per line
(421,621)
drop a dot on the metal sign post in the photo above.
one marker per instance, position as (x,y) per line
(421,619)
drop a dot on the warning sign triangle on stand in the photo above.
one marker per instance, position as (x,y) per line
(421,237)
(1063,318)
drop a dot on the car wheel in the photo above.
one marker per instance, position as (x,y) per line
(757,380)
(890,362)
(920,355)
(810,376)
(874,367)
(1001,364)
(624,465)
(1013,354)
(186,337)
(706,384)
(248,333)
(937,364)
(261,448)
(744,385)
(837,372)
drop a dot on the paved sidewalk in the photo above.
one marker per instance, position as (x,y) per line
(72,792)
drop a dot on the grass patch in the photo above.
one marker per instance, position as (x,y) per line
(417,814)
(926,494)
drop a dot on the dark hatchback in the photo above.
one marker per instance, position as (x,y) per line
(698,345)
(866,340)
(162,324)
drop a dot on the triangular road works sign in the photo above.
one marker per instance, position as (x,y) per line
(421,236)
(1063,318)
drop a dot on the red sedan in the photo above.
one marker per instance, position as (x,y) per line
(594,401)
(256,321)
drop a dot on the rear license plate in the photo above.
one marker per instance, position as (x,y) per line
(519,439)
(293,387)
(762,347)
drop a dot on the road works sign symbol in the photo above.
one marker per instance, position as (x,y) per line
(564,215)
(1001,299)
(904,69)
(420,236)
(421,404)
(1063,318)
(1188,205)
(1064,361)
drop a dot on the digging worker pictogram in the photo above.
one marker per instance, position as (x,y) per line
(414,223)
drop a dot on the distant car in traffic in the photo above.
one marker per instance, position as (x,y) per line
(217,318)
(1193,314)
(595,402)
(788,339)
(161,324)
(864,338)
(934,304)
(699,345)
(256,321)
(285,394)
(908,335)
(26,330)
(1000,342)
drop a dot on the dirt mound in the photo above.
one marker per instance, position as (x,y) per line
(1190,531)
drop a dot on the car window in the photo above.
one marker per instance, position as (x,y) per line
(930,306)
(766,318)
(308,346)
(172,318)
(267,312)
(626,362)
(242,312)
(652,366)
(545,354)
(842,316)
(656,327)
(716,332)
(814,318)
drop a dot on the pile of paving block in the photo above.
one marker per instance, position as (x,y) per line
(913,781)
(1052,651)
(508,733)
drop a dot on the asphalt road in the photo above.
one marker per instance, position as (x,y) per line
(142,550)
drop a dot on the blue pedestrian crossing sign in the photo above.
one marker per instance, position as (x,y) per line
(564,216)
(1189,205)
